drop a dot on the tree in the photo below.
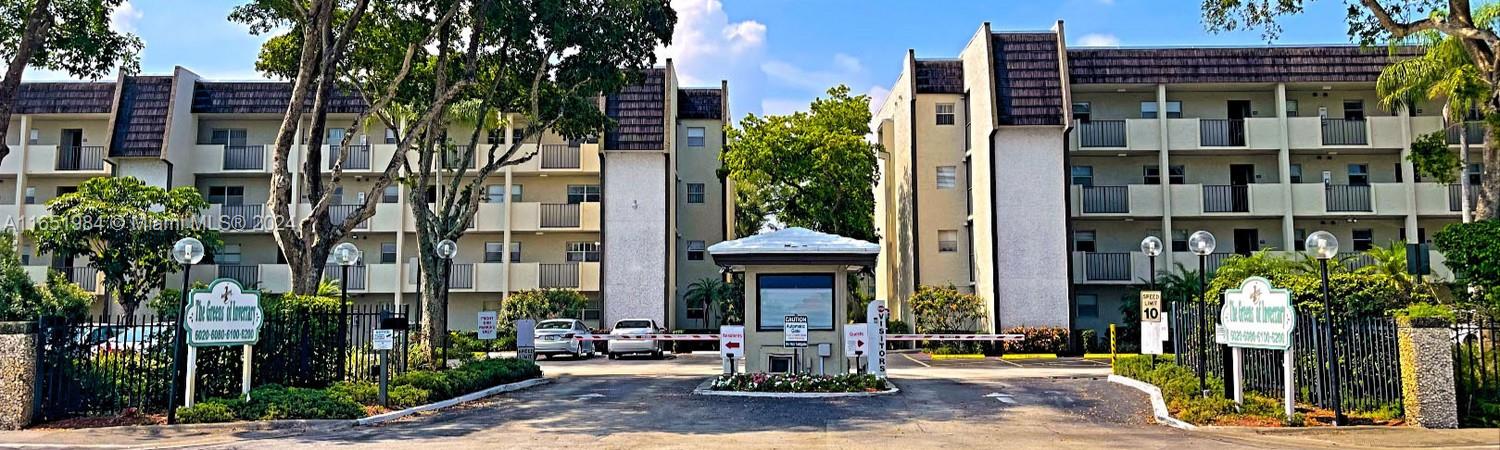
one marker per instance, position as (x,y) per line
(1396,22)
(126,228)
(539,304)
(1472,250)
(808,169)
(946,310)
(70,36)
(711,293)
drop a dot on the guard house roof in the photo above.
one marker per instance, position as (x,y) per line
(794,246)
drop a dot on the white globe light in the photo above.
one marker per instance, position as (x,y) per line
(1323,245)
(447,249)
(1151,246)
(188,251)
(1202,243)
(346,254)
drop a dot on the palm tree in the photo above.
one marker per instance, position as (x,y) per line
(706,292)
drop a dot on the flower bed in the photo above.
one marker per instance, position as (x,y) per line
(795,382)
(353,400)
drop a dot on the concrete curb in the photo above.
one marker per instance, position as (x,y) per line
(1158,404)
(245,425)
(393,415)
(703,389)
(1021,356)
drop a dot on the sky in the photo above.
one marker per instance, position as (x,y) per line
(778,55)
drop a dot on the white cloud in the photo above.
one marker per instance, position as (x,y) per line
(123,18)
(706,45)
(877,97)
(1098,40)
(846,70)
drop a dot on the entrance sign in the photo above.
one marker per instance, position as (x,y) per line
(526,339)
(878,315)
(794,329)
(489,323)
(223,314)
(1259,316)
(1151,306)
(381,339)
(732,341)
(856,336)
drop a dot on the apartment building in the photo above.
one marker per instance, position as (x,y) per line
(615,217)
(1028,173)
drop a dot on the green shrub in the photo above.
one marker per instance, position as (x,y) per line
(1424,310)
(275,402)
(469,377)
(368,393)
(432,381)
(362,392)
(1037,340)
(946,310)
(206,412)
(406,396)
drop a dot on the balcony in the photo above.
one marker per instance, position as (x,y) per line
(1106,266)
(1221,132)
(1340,132)
(359,157)
(358,277)
(80,158)
(1455,197)
(560,215)
(84,276)
(1101,134)
(337,214)
(244,157)
(1474,130)
(1347,198)
(1355,260)
(247,275)
(235,217)
(453,158)
(558,276)
(1226,198)
(561,157)
(1105,199)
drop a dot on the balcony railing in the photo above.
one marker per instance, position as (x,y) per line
(1347,198)
(84,276)
(239,217)
(560,215)
(1221,132)
(1106,266)
(1356,260)
(1344,132)
(1214,261)
(1106,199)
(1101,133)
(357,277)
(560,156)
(1474,130)
(337,214)
(461,276)
(244,157)
(359,157)
(1226,198)
(1455,197)
(558,276)
(86,157)
(248,276)
(453,158)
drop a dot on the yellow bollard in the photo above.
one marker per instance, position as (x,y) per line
(1111,345)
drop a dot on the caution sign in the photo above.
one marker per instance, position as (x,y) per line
(794,329)
(732,341)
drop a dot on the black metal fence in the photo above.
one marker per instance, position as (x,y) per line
(244,157)
(80,157)
(1345,132)
(1226,198)
(1369,368)
(1347,198)
(1456,195)
(1474,130)
(1106,199)
(1107,266)
(102,365)
(1101,133)
(1221,132)
(1476,362)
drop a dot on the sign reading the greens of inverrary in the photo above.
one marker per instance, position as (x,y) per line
(223,314)
(1257,316)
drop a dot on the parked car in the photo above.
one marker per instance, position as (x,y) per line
(560,337)
(618,347)
(135,339)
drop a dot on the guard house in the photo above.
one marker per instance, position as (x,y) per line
(795,271)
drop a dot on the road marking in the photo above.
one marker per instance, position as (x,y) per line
(590,395)
(914,360)
(1003,398)
(1013,363)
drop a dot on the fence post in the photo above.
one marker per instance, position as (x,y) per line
(18,374)
(1427,384)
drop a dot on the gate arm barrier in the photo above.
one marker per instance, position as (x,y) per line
(715,337)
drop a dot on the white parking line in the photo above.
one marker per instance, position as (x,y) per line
(914,360)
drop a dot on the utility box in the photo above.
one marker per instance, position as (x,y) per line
(800,273)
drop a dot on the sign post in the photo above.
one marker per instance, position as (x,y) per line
(224,314)
(526,339)
(383,340)
(731,344)
(878,315)
(489,325)
(855,338)
(1259,316)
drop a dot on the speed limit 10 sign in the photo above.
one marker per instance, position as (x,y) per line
(1151,306)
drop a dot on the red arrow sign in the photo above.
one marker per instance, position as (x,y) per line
(859,344)
(732,345)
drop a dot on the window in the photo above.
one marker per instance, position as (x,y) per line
(229,254)
(391,194)
(1359,174)
(1083,241)
(581,193)
(695,192)
(583,252)
(1354,110)
(947,177)
(36,136)
(1291,108)
(1082,111)
(390,135)
(31,195)
(515,193)
(1398,173)
(696,137)
(1364,239)
(1476,176)
(494,136)
(785,294)
(695,310)
(947,241)
(1179,240)
(695,250)
(515,252)
(494,252)
(1300,242)
(1151,174)
(227,136)
(1088,305)
(945,115)
(387,252)
(968,123)
(494,193)
(1174,109)
(779,364)
(65,190)
(226,195)
(1083,175)
(1296,172)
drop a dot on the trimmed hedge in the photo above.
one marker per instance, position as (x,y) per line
(275,402)
(469,377)
(1179,387)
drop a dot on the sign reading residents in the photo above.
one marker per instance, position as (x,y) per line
(795,330)
(223,314)
(731,341)
(1257,316)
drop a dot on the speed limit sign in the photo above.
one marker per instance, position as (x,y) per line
(1151,306)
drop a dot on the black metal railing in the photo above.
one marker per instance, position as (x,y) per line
(1221,132)
(248,276)
(560,156)
(453,158)
(1345,132)
(1226,198)
(560,215)
(357,276)
(244,157)
(1101,133)
(558,276)
(359,157)
(1106,199)
(337,214)
(1369,367)
(1356,260)
(1211,262)
(461,276)
(1474,130)
(1347,198)
(80,157)
(84,276)
(1106,266)
(1476,363)
(239,217)
(1456,195)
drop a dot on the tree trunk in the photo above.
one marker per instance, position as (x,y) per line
(433,328)
(37,24)
(1488,206)
(1467,209)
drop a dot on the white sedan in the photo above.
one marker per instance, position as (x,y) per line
(624,346)
(561,337)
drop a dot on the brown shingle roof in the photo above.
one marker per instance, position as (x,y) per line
(700,104)
(65,98)
(940,76)
(262,98)
(640,114)
(1028,82)
(141,123)
(1227,65)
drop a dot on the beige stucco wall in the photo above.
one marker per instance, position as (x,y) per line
(761,345)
